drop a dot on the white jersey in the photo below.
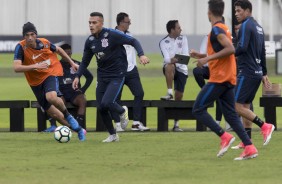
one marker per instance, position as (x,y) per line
(204,46)
(131,55)
(170,46)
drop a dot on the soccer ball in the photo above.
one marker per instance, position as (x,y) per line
(62,134)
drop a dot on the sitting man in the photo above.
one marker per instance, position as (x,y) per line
(68,94)
(172,44)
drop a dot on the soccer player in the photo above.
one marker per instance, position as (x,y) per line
(107,45)
(37,58)
(174,43)
(222,66)
(76,97)
(132,79)
(250,53)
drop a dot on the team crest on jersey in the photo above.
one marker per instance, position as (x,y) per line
(46,46)
(167,41)
(106,34)
(179,45)
(91,38)
(179,38)
(105,42)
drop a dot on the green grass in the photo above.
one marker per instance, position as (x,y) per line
(145,158)
(139,158)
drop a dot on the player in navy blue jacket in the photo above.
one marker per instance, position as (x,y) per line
(107,46)
(250,53)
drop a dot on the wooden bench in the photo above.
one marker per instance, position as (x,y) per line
(41,116)
(269,104)
(16,113)
(175,110)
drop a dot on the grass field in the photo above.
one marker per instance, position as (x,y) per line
(141,158)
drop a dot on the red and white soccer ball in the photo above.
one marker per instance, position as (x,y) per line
(62,134)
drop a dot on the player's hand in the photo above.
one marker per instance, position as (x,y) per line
(75,83)
(194,54)
(265,80)
(41,65)
(201,62)
(144,60)
(75,67)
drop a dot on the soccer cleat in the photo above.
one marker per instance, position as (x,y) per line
(50,129)
(72,121)
(119,129)
(139,127)
(177,129)
(112,138)
(124,118)
(167,97)
(82,134)
(239,146)
(249,152)
(226,141)
(266,131)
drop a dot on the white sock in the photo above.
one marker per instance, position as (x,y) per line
(117,124)
(176,124)
(136,123)
(169,91)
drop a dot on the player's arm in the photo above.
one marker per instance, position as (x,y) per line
(244,36)
(165,54)
(89,78)
(86,58)
(65,57)
(18,59)
(129,40)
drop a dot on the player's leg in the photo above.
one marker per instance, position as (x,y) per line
(133,82)
(180,80)
(80,101)
(169,72)
(200,74)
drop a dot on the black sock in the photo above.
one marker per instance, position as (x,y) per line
(249,132)
(258,122)
(52,122)
(220,133)
(66,113)
(80,119)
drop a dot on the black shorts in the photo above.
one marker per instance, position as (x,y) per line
(179,80)
(70,94)
(51,83)
(246,89)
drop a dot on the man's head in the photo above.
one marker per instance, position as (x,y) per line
(173,28)
(96,22)
(29,33)
(243,9)
(123,21)
(216,8)
(67,48)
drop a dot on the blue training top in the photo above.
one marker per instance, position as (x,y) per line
(109,52)
(250,50)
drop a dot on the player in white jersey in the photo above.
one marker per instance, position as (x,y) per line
(172,44)
(132,80)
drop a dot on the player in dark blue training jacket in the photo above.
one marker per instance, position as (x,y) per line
(107,45)
(250,53)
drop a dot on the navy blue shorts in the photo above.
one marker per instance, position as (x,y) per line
(179,80)
(246,89)
(51,83)
(70,94)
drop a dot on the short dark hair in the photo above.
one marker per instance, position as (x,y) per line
(66,46)
(120,17)
(171,25)
(244,4)
(216,7)
(98,14)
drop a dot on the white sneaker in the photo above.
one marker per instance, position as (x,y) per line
(139,127)
(112,138)
(119,129)
(167,97)
(124,118)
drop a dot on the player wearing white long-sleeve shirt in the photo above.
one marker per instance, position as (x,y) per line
(172,44)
